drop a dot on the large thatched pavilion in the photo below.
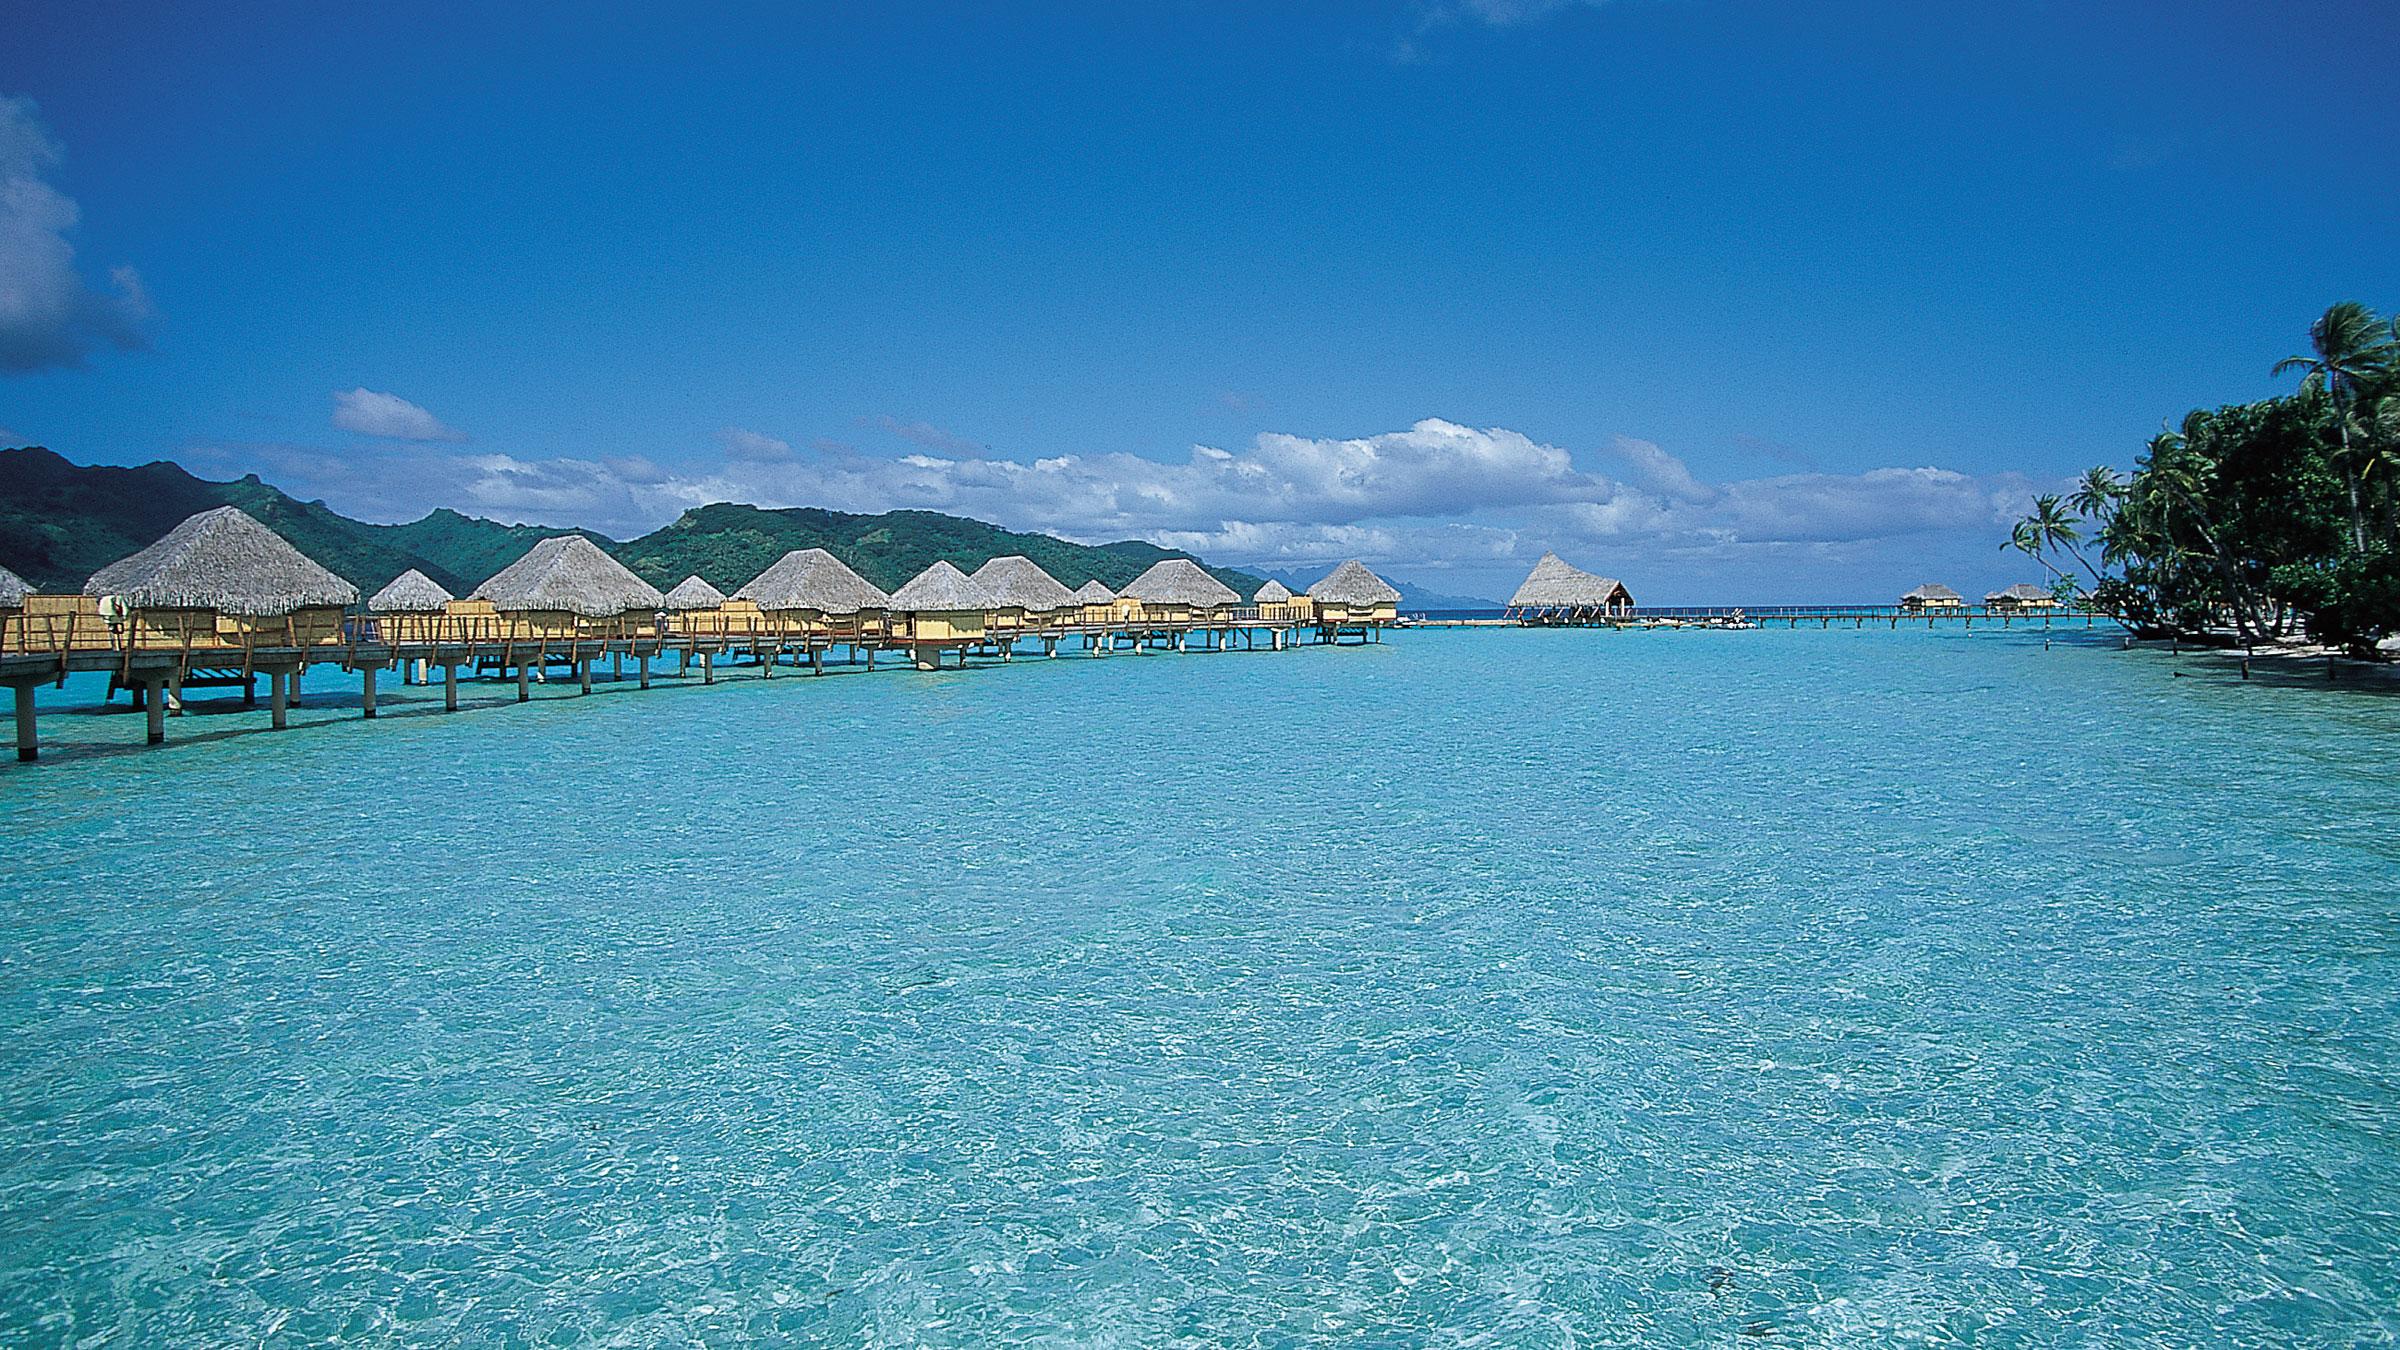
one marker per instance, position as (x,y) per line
(1931,596)
(1557,593)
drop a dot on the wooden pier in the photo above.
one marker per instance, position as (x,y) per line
(484,647)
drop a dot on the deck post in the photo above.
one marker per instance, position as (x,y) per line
(816,660)
(29,746)
(928,656)
(583,674)
(154,705)
(279,699)
(708,667)
(366,690)
(641,664)
(524,681)
(450,687)
(617,671)
(292,683)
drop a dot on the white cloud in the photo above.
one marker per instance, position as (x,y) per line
(49,316)
(1438,498)
(390,416)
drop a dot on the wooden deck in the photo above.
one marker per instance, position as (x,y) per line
(157,673)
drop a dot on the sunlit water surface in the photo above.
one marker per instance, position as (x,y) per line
(1502,988)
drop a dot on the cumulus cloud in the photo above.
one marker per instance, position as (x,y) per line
(390,416)
(1438,497)
(49,315)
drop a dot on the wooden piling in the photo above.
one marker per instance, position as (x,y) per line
(29,745)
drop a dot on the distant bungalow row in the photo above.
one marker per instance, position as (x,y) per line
(2023,597)
(222,599)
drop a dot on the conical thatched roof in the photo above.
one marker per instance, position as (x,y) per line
(1093,593)
(1554,585)
(13,590)
(1017,582)
(1352,584)
(411,592)
(941,587)
(225,561)
(1178,581)
(568,573)
(811,578)
(1273,593)
(2023,590)
(693,593)
(1931,590)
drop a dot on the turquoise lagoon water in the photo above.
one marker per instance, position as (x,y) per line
(1500,988)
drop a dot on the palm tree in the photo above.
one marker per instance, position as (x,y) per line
(2352,351)
(2049,527)
(2096,494)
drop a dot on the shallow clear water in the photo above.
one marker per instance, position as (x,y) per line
(1508,988)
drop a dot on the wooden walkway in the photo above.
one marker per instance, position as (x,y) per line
(1731,617)
(158,674)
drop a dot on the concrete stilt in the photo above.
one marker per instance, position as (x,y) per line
(250,692)
(928,658)
(708,667)
(816,660)
(175,692)
(524,683)
(366,690)
(616,671)
(450,688)
(583,674)
(642,665)
(279,699)
(292,686)
(29,745)
(154,703)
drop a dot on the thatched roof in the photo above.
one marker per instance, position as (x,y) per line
(411,592)
(693,593)
(811,578)
(1552,584)
(1179,581)
(2023,590)
(1017,582)
(13,590)
(1273,593)
(1093,593)
(941,588)
(568,573)
(1931,590)
(225,561)
(1352,584)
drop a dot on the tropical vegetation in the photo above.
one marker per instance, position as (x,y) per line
(2253,521)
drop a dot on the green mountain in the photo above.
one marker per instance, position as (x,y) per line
(61,522)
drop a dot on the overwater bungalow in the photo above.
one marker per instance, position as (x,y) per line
(1177,591)
(13,590)
(940,607)
(1350,594)
(1276,604)
(1098,603)
(1930,596)
(219,579)
(690,594)
(565,587)
(1025,597)
(1555,592)
(2022,596)
(809,592)
(411,609)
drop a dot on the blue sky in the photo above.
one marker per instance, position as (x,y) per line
(1738,301)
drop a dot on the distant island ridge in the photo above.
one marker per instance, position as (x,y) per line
(61,521)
